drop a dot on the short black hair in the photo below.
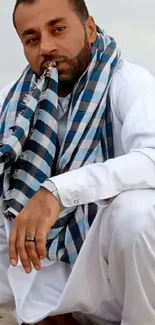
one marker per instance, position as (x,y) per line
(79,6)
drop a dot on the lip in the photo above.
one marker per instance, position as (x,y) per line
(54,62)
(47,64)
(58,64)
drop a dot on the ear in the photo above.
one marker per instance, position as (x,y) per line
(91,30)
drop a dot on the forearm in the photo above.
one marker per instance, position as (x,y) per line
(101,181)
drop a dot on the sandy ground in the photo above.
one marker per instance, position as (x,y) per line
(6,318)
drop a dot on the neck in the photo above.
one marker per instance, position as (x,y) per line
(66,87)
(65,91)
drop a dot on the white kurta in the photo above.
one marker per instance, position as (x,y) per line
(113,278)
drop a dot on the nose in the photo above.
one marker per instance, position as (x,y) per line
(47,45)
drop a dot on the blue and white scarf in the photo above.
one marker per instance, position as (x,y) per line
(29,140)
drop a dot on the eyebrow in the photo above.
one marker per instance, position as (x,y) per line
(55,21)
(51,23)
(29,31)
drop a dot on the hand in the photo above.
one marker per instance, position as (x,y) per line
(35,221)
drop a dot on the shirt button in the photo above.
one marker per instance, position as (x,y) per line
(76,202)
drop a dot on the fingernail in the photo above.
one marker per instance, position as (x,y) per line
(37,267)
(42,257)
(27,270)
(13,262)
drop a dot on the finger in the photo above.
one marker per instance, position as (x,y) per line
(32,251)
(41,238)
(33,256)
(20,244)
(13,254)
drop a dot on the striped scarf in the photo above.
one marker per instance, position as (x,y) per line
(29,140)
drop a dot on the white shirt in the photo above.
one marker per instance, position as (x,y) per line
(63,104)
(132,96)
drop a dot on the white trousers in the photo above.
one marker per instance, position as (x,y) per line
(113,279)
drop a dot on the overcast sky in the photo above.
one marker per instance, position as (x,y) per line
(131,22)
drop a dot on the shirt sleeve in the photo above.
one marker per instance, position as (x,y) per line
(133,170)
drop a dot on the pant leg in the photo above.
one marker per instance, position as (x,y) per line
(6,296)
(116,267)
(127,243)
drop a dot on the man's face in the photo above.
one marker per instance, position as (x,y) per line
(51,31)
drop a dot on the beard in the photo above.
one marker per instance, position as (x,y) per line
(69,70)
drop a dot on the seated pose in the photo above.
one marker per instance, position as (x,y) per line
(77,171)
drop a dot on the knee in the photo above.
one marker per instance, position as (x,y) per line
(132,215)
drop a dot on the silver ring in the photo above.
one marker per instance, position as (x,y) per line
(30,239)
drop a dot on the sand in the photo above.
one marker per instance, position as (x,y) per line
(6,318)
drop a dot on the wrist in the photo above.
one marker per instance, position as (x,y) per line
(52,189)
(50,201)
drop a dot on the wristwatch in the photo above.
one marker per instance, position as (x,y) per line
(50,186)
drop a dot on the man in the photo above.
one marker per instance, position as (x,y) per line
(77,174)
